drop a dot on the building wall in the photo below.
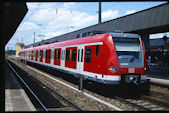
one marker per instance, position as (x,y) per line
(18,48)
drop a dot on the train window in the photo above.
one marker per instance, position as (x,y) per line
(78,36)
(88,55)
(46,54)
(67,54)
(74,55)
(82,55)
(78,54)
(58,54)
(49,54)
(55,54)
(97,50)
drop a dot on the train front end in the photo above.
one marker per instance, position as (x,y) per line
(131,64)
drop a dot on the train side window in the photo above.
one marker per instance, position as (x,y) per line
(82,55)
(49,54)
(46,54)
(97,50)
(58,54)
(78,55)
(88,55)
(74,55)
(55,54)
(67,54)
(78,36)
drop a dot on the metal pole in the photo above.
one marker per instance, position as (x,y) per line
(99,11)
(34,37)
(81,83)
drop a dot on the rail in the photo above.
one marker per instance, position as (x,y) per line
(70,102)
(40,102)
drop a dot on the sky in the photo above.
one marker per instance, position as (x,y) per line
(50,19)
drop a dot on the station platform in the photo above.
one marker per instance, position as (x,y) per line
(159,76)
(158,73)
(15,97)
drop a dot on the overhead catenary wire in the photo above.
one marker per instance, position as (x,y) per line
(59,15)
(33,11)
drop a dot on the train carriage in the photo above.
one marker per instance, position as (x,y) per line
(109,58)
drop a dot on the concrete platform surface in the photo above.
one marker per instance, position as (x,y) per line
(15,97)
(158,73)
(159,76)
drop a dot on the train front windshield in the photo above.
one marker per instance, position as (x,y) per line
(129,51)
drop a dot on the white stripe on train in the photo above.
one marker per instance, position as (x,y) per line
(109,79)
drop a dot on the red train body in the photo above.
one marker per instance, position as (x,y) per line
(109,58)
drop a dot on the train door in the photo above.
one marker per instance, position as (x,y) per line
(36,55)
(71,57)
(57,56)
(48,55)
(80,58)
(32,56)
(63,57)
(41,56)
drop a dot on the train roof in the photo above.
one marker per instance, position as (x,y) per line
(84,40)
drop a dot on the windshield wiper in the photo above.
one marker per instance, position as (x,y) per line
(132,59)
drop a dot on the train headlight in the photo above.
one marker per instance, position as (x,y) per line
(113,69)
(131,78)
(145,69)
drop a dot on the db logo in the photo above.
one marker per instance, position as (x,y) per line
(131,70)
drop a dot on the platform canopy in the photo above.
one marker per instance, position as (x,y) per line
(12,14)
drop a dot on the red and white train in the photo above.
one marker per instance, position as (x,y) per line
(109,58)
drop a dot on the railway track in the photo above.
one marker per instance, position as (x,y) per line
(158,101)
(47,99)
(145,103)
